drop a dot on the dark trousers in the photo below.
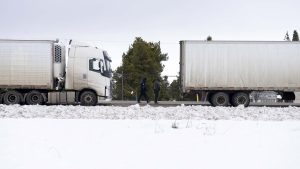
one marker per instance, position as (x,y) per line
(144,94)
(156,94)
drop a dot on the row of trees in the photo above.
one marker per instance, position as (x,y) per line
(295,36)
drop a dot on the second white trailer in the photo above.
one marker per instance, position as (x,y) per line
(233,67)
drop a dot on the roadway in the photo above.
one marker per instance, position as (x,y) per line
(188,103)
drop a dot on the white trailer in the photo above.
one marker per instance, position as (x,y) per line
(46,71)
(226,72)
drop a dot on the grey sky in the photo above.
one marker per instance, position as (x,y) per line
(115,23)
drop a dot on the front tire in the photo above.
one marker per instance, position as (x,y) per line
(88,98)
(12,97)
(220,99)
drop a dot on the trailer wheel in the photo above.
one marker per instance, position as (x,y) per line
(34,98)
(240,98)
(12,97)
(220,99)
(88,98)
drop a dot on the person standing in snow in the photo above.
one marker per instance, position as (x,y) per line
(143,91)
(156,88)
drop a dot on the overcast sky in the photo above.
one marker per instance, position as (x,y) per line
(114,24)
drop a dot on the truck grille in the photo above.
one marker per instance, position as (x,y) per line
(57,55)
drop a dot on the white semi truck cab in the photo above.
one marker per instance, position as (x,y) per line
(46,71)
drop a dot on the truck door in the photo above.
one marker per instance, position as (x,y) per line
(96,80)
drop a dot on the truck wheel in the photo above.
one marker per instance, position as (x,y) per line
(88,98)
(220,99)
(34,98)
(240,98)
(12,97)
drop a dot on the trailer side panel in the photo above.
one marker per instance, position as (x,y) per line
(26,64)
(234,65)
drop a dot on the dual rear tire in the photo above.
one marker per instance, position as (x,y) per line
(240,98)
(14,97)
(220,99)
(34,97)
(223,99)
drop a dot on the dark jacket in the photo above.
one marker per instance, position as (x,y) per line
(156,86)
(143,86)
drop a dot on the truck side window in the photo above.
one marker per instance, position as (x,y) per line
(107,60)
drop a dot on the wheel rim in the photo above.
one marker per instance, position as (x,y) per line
(12,98)
(221,100)
(241,100)
(35,98)
(88,99)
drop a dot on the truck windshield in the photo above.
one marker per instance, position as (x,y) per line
(107,61)
(101,66)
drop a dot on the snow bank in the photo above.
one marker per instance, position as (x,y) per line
(153,113)
(134,137)
(148,144)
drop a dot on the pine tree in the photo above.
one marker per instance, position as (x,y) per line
(143,59)
(164,92)
(174,90)
(295,36)
(287,37)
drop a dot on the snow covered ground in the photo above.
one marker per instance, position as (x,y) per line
(154,113)
(75,137)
